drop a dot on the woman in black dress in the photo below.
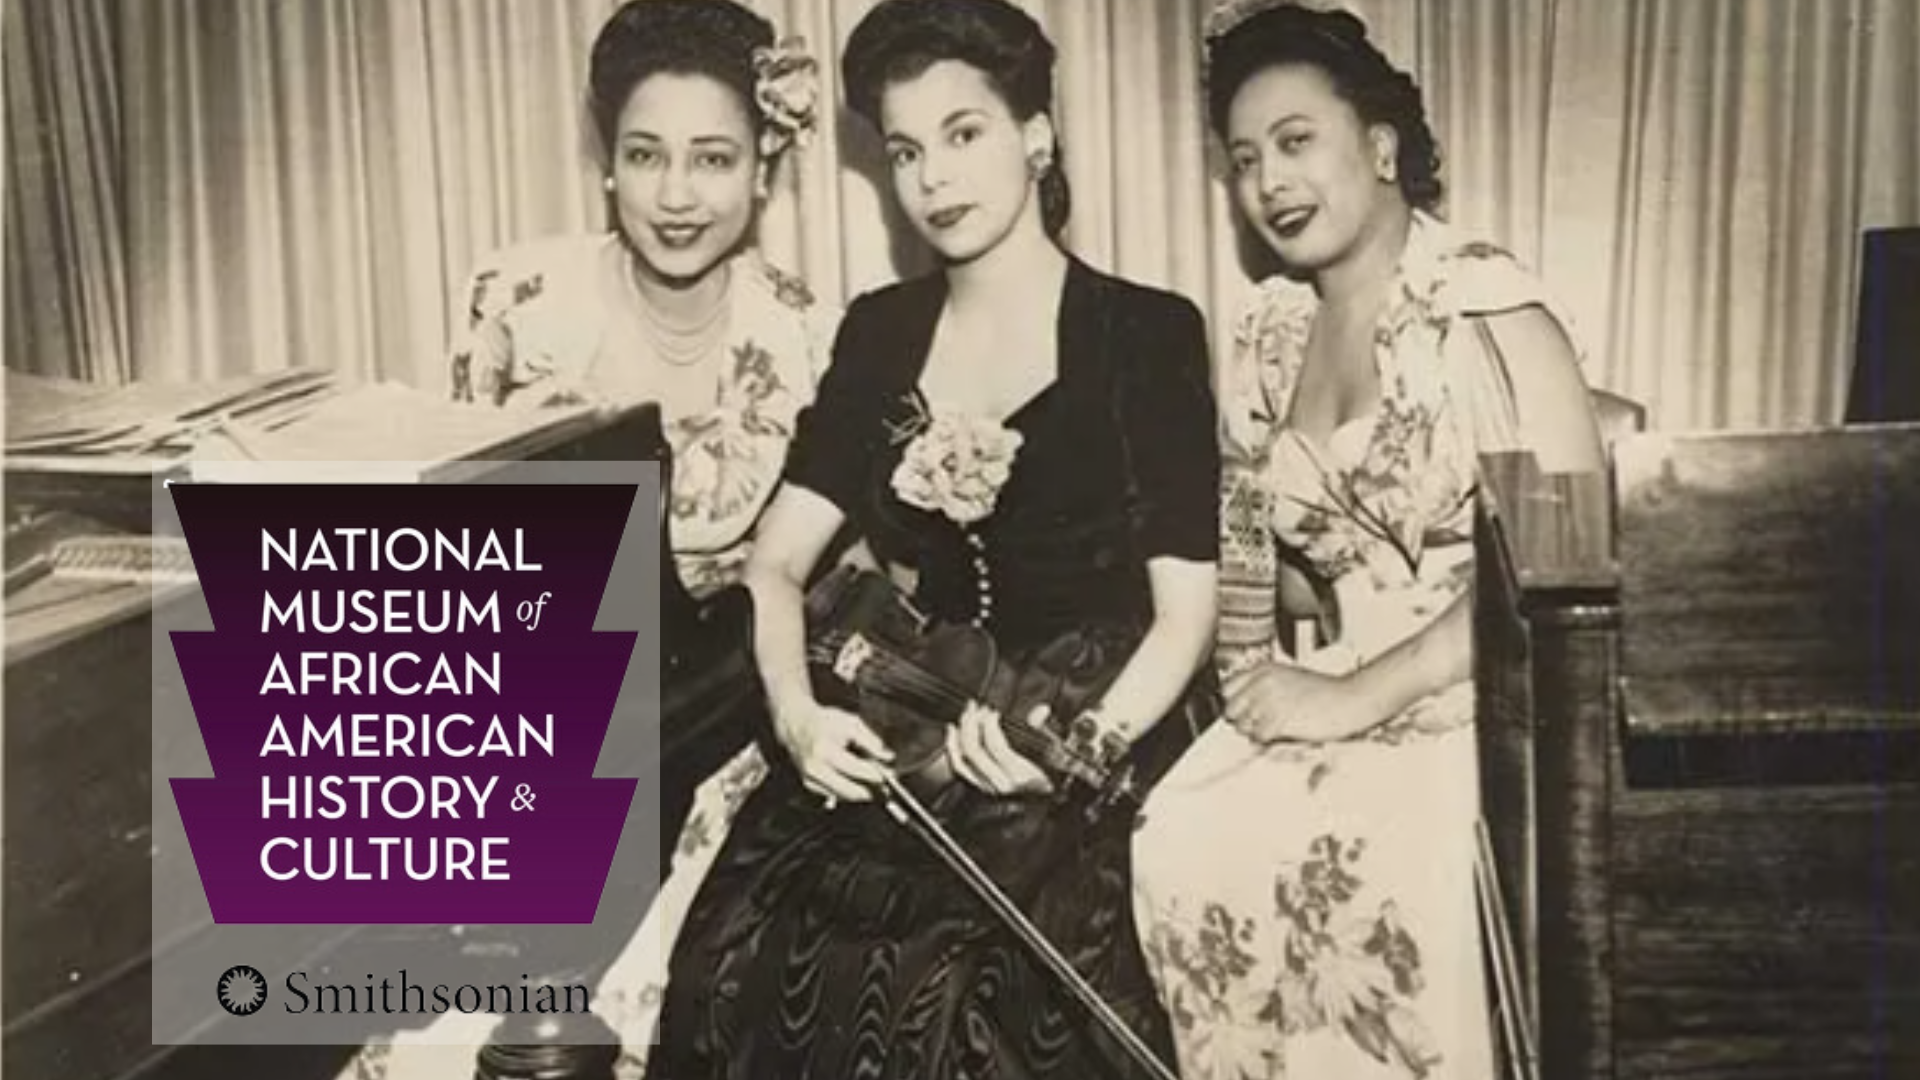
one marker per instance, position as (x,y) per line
(1031,443)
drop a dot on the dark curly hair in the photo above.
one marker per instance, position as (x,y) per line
(900,39)
(1336,43)
(715,38)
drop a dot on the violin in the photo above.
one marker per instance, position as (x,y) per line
(871,651)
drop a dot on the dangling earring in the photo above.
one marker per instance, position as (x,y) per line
(1039,162)
(607,183)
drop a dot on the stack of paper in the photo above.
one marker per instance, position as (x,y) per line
(59,426)
(53,418)
(385,432)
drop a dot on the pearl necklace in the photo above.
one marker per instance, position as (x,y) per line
(688,345)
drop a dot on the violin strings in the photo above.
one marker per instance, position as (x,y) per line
(894,677)
(1024,737)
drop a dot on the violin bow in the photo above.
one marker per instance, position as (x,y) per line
(910,812)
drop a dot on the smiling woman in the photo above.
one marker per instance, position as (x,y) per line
(1363,386)
(695,103)
(683,179)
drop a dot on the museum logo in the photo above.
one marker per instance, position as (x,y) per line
(242,990)
(404,996)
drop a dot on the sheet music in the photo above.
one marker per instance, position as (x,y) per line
(63,417)
(381,432)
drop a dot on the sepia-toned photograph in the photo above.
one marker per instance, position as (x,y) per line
(1197,539)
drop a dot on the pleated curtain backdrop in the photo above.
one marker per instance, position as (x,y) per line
(207,187)
(65,237)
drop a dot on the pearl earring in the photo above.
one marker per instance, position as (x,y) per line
(607,183)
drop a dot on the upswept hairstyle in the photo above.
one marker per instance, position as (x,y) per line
(900,39)
(715,38)
(1336,43)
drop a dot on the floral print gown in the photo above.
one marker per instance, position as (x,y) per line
(557,321)
(1309,911)
(553,322)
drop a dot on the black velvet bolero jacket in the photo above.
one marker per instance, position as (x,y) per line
(1119,462)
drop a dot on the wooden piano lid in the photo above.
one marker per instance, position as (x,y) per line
(1769,581)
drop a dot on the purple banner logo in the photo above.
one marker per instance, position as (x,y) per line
(403,700)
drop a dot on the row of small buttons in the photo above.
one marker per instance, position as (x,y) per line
(984,608)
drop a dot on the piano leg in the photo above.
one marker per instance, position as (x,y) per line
(1577,711)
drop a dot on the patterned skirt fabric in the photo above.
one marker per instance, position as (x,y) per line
(1309,911)
(1340,941)
(832,944)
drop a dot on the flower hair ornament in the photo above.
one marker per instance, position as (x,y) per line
(787,89)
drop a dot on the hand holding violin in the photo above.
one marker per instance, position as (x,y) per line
(982,756)
(838,755)
(947,703)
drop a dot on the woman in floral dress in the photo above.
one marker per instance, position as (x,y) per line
(1030,444)
(695,104)
(1305,874)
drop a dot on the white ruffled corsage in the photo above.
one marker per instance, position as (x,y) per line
(956,465)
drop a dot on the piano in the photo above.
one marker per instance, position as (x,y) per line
(1699,731)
